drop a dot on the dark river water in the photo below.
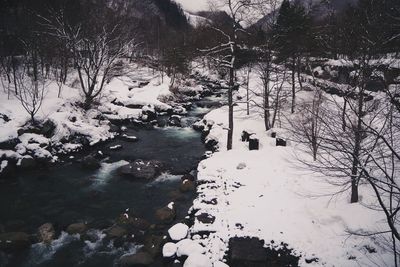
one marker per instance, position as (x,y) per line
(67,193)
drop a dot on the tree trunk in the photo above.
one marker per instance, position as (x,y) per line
(293,84)
(230,104)
(344,125)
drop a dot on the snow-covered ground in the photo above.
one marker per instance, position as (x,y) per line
(267,194)
(121,99)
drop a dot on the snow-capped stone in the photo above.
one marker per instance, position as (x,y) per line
(198,260)
(169,250)
(178,231)
(220,264)
(188,247)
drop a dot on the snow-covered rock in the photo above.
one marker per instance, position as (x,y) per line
(169,250)
(188,247)
(178,231)
(198,260)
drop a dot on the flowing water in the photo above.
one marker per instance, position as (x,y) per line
(68,193)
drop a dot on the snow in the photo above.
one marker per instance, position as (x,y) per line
(267,194)
(123,98)
(187,247)
(196,20)
(169,250)
(197,260)
(178,231)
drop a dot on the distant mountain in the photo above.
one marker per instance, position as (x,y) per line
(318,9)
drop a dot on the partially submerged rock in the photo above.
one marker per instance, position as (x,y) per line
(14,241)
(141,170)
(138,259)
(46,233)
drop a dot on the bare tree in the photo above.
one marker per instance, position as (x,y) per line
(225,52)
(31,92)
(94,54)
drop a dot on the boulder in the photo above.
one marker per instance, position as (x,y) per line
(14,241)
(175,120)
(138,259)
(169,250)
(46,233)
(141,170)
(166,214)
(211,144)
(247,252)
(178,232)
(27,162)
(116,231)
(153,244)
(205,218)
(148,113)
(280,142)
(90,162)
(77,228)
(188,177)
(9,144)
(48,128)
(187,186)
(245,136)
(254,143)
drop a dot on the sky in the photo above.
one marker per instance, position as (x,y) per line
(193,5)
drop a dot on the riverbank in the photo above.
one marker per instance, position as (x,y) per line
(262,207)
(63,128)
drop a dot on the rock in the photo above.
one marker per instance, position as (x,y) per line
(176,195)
(273,134)
(205,218)
(130,138)
(175,120)
(152,244)
(27,162)
(77,228)
(90,163)
(141,170)
(187,186)
(7,169)
(116,147)
(280,142)
(138,259)
(14,241)
(169,250)
(166,214)
(188,177)
(114,128)
(245,136)
(198,260)
(186,247)
(133,222)
(178,231)
(148,113)
(241,166)
(9,144)
(116,231)
(211,144)
(247,252)
(254,143)
(46,233)
(48,128)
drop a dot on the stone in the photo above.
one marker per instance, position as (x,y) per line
(188,177)
(14,241)
(77,228)
(48,128)
(169,250)
(187,186)
(27,162)
(152,244)
(211,144)
(254,143)
(247,252)
(166,215)
(148,113)
(280,142)
(175,120)
(241,166)
(141,170)
(205,218)
(138,259)
(46,233)
(273,134)
(245,136)
(178,232)
(9,144)
(116,231)
(90,163)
